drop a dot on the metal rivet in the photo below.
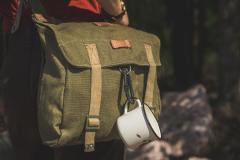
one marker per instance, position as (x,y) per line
(139,136)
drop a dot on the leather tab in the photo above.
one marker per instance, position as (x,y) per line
(103,24)
(40,17)
(46,19)
(120,44)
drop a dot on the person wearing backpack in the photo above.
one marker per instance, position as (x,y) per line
(19,76)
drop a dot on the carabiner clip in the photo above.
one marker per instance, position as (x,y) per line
(125,70)
(127,83)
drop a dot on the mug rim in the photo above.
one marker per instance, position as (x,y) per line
(149,124)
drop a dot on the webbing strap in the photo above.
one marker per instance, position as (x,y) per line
(36,8)
(93,121)
(16,23)
(151,77)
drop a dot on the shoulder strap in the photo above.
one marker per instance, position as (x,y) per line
(36,8)
(16,23)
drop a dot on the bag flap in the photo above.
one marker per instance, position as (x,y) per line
(116,45)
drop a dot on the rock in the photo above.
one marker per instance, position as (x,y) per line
(197,158)
(186,120)
(156,150)
(185,123)
(230,105)
(226,137)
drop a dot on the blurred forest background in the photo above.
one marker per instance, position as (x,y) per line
(200,41)
(200,45)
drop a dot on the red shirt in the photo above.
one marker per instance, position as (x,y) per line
(71,10)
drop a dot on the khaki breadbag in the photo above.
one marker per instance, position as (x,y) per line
(81,90)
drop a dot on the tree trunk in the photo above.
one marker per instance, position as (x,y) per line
(1,42)
(181,15)
(228,48)
(200,37)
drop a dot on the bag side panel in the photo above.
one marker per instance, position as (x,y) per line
(51,93)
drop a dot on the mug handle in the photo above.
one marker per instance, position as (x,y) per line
(126,105)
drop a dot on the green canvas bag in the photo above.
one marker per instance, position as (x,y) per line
(81,91)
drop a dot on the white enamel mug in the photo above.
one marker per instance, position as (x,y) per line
(138,126)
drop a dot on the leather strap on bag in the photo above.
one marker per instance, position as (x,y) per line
(37,10)
(93,121)
(151,77)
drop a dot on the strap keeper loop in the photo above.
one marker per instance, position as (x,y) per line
(93,123)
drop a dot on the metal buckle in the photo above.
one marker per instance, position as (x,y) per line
(91,127)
